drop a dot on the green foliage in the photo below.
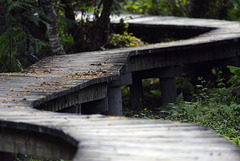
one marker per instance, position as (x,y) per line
(215,108)
(144,113)
(124,40)
(151,88)
(233,12)
(157,7)
(222,118)
(236,3)
(217,9)
(116,8)
(185,86)
(16,37)
(236,72)
(125,96)
(8,50)
(21,20)
(63,24)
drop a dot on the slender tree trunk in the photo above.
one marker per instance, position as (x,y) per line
(52,27)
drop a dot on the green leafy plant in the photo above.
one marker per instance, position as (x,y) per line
(18,21)
(236,72)
(212,107)
(222,118)
(67,39)
(141,113)
(125,39)
(157,7)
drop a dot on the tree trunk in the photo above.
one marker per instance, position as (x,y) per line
(52,27)
(98,36)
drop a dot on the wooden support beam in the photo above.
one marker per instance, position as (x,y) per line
(114,101)
(168,90)
(136,92)
(168,84)
(115,94)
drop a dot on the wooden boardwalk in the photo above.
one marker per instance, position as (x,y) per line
(87,81)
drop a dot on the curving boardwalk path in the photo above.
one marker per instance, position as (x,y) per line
(59,82)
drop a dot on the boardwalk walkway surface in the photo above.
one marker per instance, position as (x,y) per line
(59,82)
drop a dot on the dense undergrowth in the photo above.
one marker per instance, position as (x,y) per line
(213,107)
